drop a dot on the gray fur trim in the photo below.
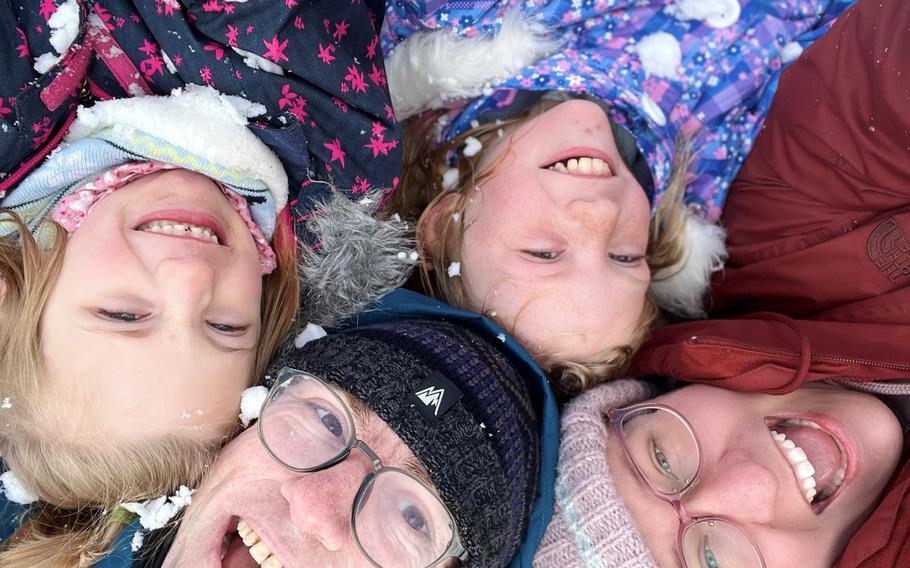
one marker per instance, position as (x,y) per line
(358,260)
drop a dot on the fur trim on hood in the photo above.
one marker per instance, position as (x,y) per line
(681,288)
(358,259)
(422,75)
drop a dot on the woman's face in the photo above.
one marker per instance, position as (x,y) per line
(746,477)
(148,331)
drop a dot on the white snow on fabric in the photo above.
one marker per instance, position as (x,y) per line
(422,76)
(471,146)
(138,540)
(715,13)
(156,513)
(258,62)
(501,337)
(310,333)
(454,269)
(251,401)
(45,62)
(660,55)
(201,120)
(15,491)
(6,404)
(790,52)
(450,179)
(64,25)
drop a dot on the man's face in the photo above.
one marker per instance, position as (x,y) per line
(295,519)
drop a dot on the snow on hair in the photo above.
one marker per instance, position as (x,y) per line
(359,259)
(422,77)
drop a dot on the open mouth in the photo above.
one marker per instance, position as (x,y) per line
(194,225)
(582,165)
(173,228)
(815,455)
(242,548)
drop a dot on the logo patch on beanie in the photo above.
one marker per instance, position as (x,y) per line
(434,397)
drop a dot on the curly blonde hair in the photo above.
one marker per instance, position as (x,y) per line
(80,485)
(421,191)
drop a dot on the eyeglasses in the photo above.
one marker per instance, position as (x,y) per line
(396,519)
(666,456)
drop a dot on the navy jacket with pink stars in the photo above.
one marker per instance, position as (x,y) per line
(315,65)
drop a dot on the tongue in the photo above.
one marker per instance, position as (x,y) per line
(238,556)
(822,451)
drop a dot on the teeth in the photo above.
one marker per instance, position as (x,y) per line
(180,229)
(802,468)
(583,165)
(258,549)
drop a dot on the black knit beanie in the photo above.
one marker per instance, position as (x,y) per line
(459,404)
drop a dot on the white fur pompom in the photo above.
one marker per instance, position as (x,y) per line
(421,71)
(683,286)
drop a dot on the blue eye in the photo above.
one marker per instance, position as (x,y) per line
(413,517)
(331,422)
(708,554)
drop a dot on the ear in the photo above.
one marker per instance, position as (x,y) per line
(432,225)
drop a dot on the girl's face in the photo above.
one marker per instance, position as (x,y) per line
(746,476)
(555,239)
(146,332)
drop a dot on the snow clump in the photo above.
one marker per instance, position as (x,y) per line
(156,513)
(15,491)
(310,332)
(454,269)
(251,401)
(450,179)
(471,146)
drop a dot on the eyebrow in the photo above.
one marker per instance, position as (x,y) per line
(361,413)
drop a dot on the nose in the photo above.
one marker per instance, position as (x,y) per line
(321,502)
(735,486)
(594,215)
(188,282)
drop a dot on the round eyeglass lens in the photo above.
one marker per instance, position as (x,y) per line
(304,423)
(662,447)
(401,522)
(716,543)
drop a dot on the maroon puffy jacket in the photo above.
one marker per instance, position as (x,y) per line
(818,281)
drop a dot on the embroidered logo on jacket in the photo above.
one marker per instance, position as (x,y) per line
(889,249)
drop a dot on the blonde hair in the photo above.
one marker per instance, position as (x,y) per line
(421,191)
(82,485)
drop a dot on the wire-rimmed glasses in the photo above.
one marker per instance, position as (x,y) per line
(397,520)
(661,446)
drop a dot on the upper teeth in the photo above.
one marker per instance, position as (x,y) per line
(585,165)
(804,470)
(258,549)
(181,229)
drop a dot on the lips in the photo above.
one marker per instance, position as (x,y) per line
(184,224)
(582,161)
